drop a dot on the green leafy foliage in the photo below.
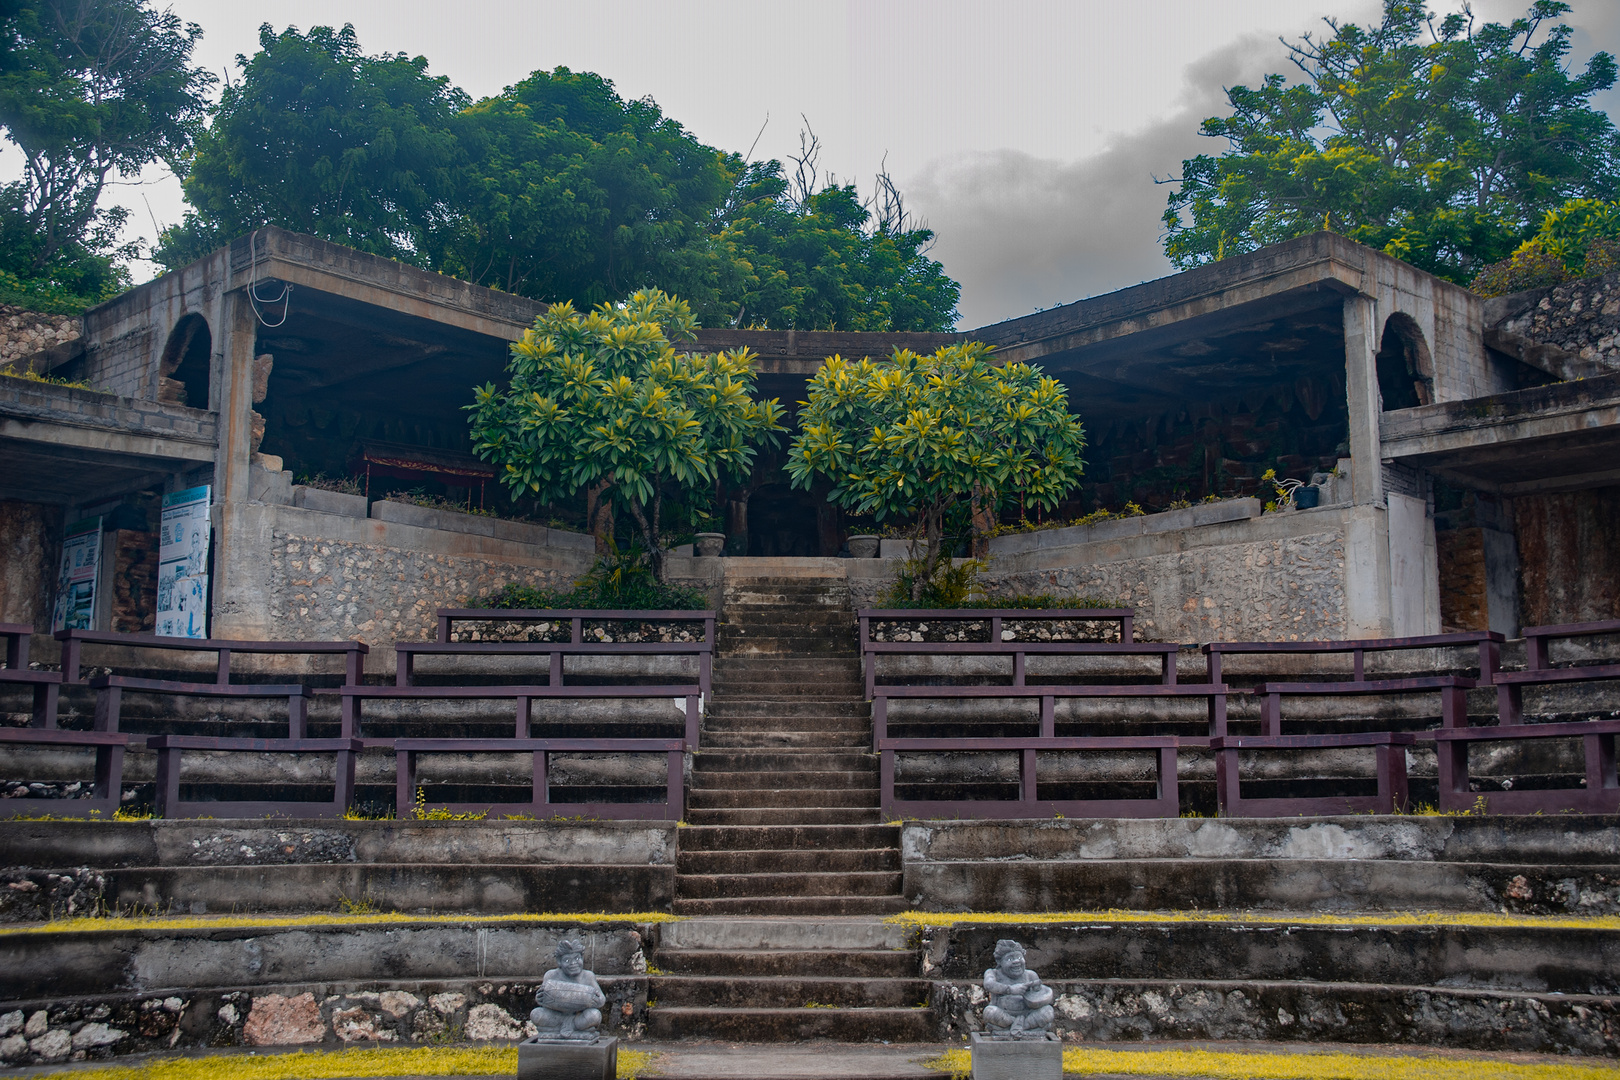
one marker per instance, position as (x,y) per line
(621,580)
(1579,239)
(556,188)
(604,399)
(318,137)
(913,436)
(569,192)
(90,91)
(822,263)
(1442,143)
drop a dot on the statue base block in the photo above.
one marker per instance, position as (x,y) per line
(594,1060)
(1017,1059)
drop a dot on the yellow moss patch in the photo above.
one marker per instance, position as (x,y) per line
(1384,918)
(425,1061)
(1224,1065)
(222,922)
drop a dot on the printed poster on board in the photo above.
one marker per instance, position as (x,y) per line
(182,608)
(77,578)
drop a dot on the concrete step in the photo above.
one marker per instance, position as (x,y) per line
(830,934)
(793,1025)
(845,963)
(788,838)
(786,723)
(852,860)
(766,706)
(783,815)
(779,687)
(788,740)
(785,992)
(781,779)
(782,798)
(707,761)
(792,906)
(720,886)
(746,666)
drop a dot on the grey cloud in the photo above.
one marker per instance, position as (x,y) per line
(1021,232)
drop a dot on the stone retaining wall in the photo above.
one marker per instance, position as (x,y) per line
(23,332)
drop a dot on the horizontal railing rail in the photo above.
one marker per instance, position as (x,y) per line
(73,642)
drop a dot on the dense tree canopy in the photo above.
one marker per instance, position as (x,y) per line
(1444,143)
(914,435)
(604,402)
(90,90)
(557,188)
(318,137)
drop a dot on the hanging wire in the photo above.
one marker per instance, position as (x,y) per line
(254,299)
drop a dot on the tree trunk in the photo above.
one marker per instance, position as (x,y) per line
(599,514)
(983,522)
(649,533)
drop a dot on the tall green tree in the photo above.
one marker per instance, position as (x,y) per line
(318,137)
(569,192)
(90,91)
(1442,142)
(912,436)
(819,261)
(604,401)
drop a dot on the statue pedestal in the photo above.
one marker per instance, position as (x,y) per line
(1017,1059)
(597,1059)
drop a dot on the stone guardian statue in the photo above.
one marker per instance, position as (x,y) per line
(1020,1005)
(570,1000)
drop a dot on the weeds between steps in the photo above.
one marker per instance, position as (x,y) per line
(325,1065)
(1230,1065)
(926,919)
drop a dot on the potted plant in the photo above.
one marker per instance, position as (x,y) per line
(864,546)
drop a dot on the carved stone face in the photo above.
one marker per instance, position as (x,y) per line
(572,964)
(1012,965)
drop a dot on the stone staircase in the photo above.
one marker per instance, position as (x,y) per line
(783,803)
(780,980)
(783,862)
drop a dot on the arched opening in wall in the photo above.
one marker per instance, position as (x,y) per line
(1405,371)
(187,360)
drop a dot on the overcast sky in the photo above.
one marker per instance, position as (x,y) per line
(1026,132)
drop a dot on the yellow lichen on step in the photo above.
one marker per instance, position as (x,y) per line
(1381,918)
(319,1065)
(115,923)
(1230,1065)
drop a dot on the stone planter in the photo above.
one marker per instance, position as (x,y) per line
(863,547)
(709,545)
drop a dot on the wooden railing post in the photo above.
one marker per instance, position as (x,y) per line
(1018,668)
(692,727)
(297,715)
(1048,716)
(1026,778)
(404,783)
(886,783)
(168,780)
(108,701)
(542,778)
(524,715)
(880,721)
(224,675)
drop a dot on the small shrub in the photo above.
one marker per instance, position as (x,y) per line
(620,580)
(52,380)
(1531,267)
(343,485)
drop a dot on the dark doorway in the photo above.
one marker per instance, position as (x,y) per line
(782,521)
(1404,379)
(187,360)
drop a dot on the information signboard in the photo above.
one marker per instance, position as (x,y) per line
(78,577)
(183,564)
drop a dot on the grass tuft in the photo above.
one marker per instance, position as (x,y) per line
(920,919)
(113,923)
(1231,1065)
(327,1065)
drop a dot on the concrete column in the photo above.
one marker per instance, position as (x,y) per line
(237,609)
(1366,573)
(1414,570)
(1361,334)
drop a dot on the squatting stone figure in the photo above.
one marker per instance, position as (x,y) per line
(1020,1005)
(570,999)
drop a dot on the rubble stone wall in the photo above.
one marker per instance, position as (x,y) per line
(1580,317)
(23,332)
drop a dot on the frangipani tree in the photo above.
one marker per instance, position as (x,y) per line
(911,436)
(603,401)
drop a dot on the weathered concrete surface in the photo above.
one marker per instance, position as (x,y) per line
(324,576)
(59,868)
(262,843)
(1561,865)
(1130,1010)
(30,547)
(58,964)
(1279,577)
(1523,988)
(329,1015)
(1569,839)
(1570,331)
(1569,560)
